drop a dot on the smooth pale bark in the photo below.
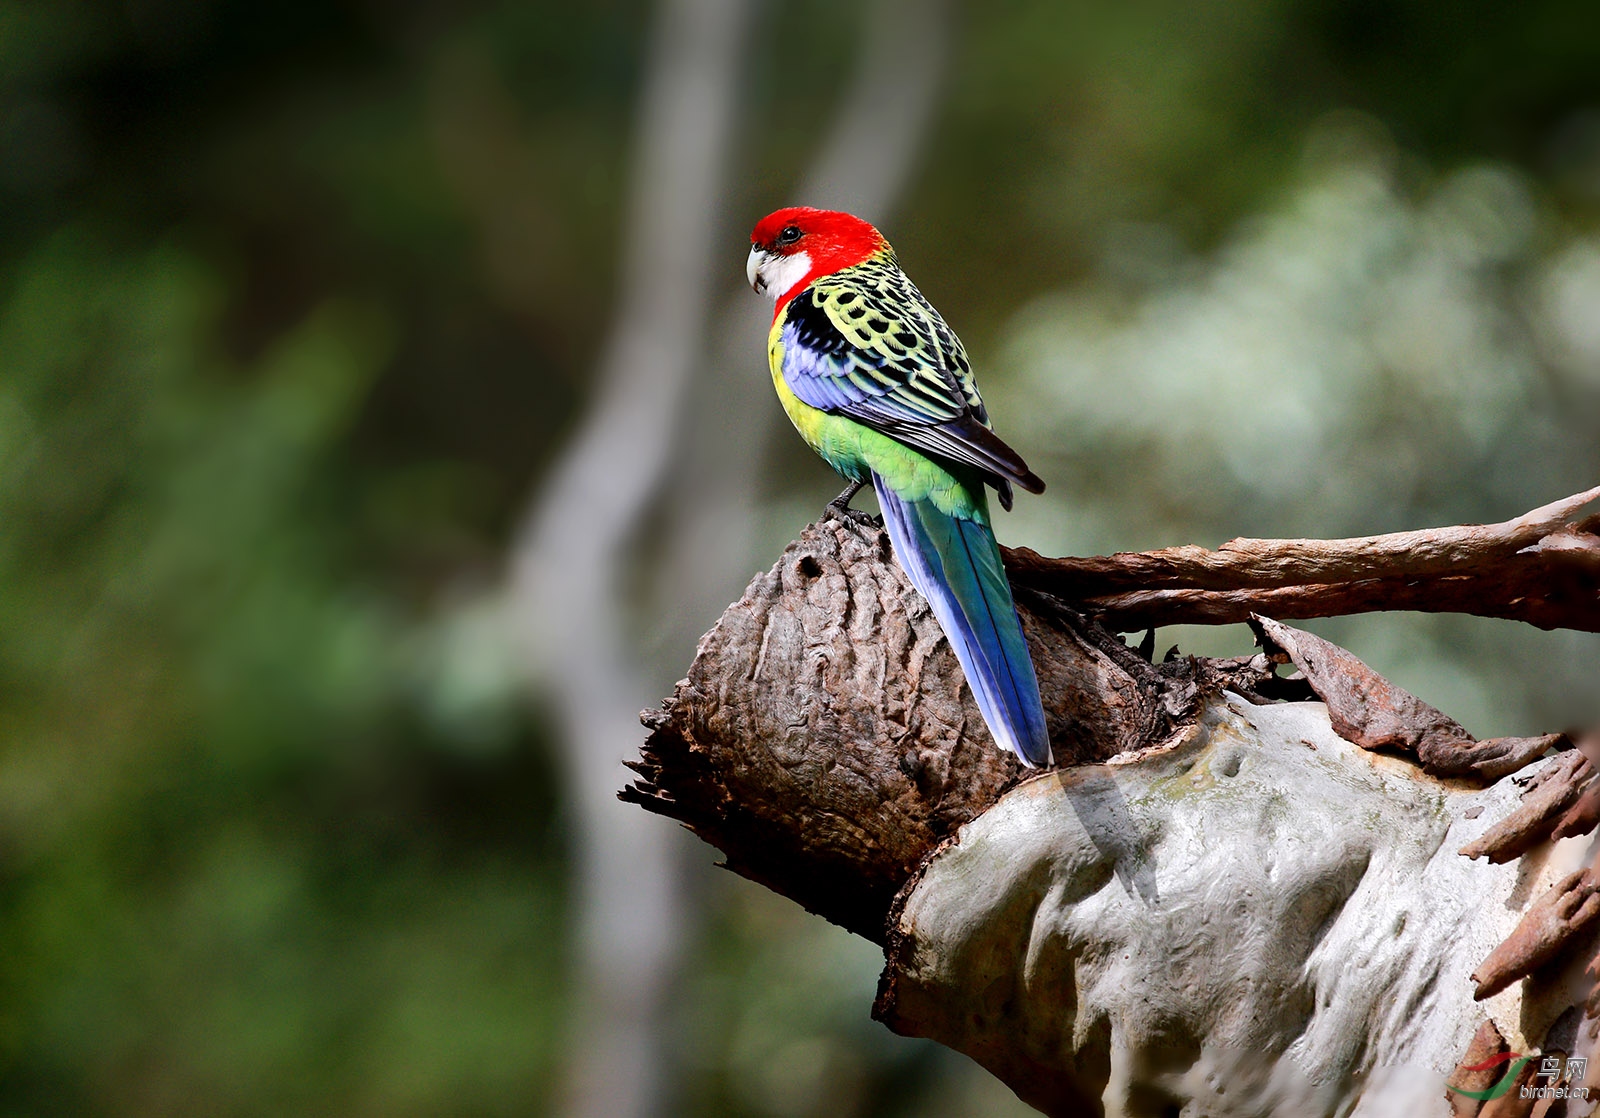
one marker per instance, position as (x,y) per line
(1262,919)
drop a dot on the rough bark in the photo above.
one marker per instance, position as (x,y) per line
(825,742)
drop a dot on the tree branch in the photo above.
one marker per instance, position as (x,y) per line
(1542,568)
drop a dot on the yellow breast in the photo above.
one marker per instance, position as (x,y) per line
(809,421)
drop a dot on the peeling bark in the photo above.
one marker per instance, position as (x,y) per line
(1545,807)
(1259,920)
(1563,912)
(1375,714)
(1471,1074)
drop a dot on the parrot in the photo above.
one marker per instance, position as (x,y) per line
(882,389)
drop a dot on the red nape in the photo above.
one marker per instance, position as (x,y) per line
(832,239)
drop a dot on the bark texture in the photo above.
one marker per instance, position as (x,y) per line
(826,742)
(1542,568)
(1263,919)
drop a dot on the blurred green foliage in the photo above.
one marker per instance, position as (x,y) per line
(297,301)
(217,895)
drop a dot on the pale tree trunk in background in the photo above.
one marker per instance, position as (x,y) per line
(862,166)
(568,557)
(571,553)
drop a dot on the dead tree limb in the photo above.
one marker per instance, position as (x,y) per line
(1542,568)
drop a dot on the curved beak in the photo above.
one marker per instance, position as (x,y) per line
(752,269)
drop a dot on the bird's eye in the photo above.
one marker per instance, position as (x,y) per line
(790,234)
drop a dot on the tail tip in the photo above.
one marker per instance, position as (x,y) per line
(1034,752)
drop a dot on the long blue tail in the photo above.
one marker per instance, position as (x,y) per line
(955,563)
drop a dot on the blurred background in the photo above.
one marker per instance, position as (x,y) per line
(383,415)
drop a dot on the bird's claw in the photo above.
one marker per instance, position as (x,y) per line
(839,508)
(836,511)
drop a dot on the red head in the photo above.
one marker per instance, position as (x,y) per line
(792,247)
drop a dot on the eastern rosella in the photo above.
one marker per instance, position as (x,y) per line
(881,388)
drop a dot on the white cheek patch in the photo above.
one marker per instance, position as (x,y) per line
(783,272)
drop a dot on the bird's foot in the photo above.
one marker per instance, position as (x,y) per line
(839,508)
